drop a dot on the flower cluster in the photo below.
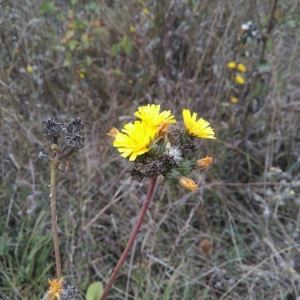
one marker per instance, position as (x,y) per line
(74,140)
(158,150)
(239,79)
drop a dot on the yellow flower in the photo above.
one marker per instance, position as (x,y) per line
(234,100)
(239,79)
(131,28)
(151,115)
(134,139)
(29,69)
(231,65)
(241,68)
(188,183)
(146,11)
(55,289)
(198,128)
(203,163)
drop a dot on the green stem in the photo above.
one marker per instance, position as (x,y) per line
(54,218)
(131,240)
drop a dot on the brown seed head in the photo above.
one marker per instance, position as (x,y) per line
(203,163)
(188,183)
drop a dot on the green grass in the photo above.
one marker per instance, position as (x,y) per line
(87,63)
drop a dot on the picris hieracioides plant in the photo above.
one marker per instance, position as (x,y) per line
(158,150)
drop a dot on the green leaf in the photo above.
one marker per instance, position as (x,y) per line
(94,291)
(117,72)
(47,7)
(88,60)
(126,44)
(73,2)
(115,49)
(72,44)
(92,6)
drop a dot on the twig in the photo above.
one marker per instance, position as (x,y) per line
(131,240)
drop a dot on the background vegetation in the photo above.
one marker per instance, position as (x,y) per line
(101,60)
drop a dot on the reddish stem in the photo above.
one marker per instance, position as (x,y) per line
(131,240)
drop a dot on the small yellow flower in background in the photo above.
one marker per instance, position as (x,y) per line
(234,100)
(81,75)
(130,81)
(29,69)
(242,68)
(239,79)
(203,163)
(188,183)
(113,132)
(231,65)
(292,192)
(134,139)
(151,115)
(55,289)
(131,28)
(198,128)
(145,11)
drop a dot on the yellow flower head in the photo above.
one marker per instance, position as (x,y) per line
(134,139)
(239,79)
(200,128)
(231,65)
(151,115)
(131,28)
(29,69)
(241,68)
(188,183)
(203,163)
(55,289)
(234,100)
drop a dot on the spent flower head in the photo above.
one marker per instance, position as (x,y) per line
(74,140)
(157,149)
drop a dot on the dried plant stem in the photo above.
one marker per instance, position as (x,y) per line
(269,29)
(131,240)
(54,217)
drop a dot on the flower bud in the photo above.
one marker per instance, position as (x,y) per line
(188,184)
(203,163)
(113,132)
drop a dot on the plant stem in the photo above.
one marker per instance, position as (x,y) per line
(269,29)
(131,240)
(54,218)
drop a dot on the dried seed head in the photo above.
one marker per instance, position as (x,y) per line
(188,183)
(52,129)
(113,132)
(205,246)
(75,126)
(203,163)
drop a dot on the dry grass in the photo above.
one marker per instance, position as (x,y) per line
(89,64)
